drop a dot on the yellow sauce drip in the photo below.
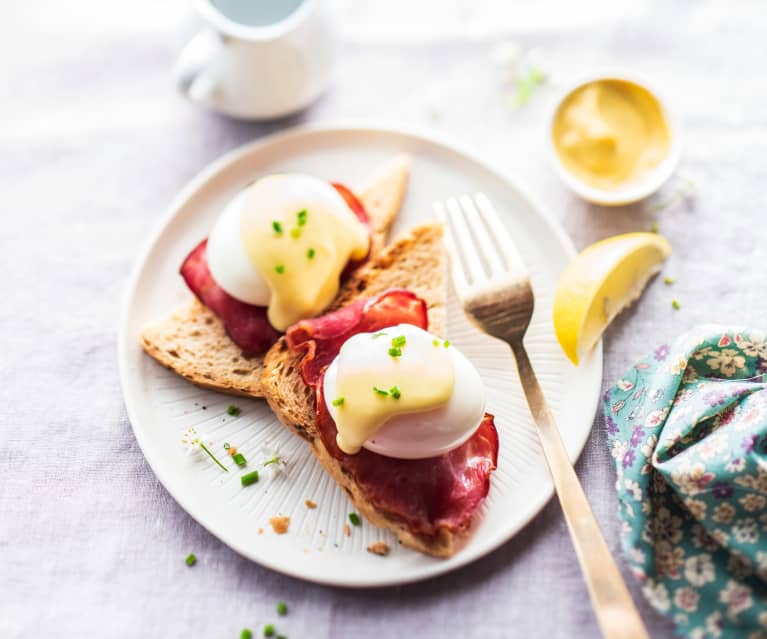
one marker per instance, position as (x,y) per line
(611,132)
(423,376)
(300,249)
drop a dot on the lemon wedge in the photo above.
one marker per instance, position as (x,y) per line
(599,283)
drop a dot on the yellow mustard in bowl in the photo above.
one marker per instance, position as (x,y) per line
(610,133)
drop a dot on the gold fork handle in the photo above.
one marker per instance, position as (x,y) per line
(615,611)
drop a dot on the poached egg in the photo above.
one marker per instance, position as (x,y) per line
(403,392)
(282,243)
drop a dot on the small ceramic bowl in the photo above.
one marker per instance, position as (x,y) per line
(631,191)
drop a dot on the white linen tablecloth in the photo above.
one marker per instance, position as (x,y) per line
(95,143)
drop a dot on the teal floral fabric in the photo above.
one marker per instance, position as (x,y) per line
(687,429)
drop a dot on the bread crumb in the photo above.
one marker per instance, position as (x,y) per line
(280,524)
(347,530)
(260,531)
(310,504)
(379,548)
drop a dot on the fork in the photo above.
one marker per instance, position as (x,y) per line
(493,285)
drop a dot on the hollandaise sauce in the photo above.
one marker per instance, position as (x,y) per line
(299,248)
(610,133)
(390,373)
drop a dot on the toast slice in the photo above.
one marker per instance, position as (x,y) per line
(192,341)
(415,262)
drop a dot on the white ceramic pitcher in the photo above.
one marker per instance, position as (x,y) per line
(258,59)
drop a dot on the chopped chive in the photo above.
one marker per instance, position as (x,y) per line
(675,304)
(250,478)
(310,254)
(282,608)
(269,630)
(380,391)
(354,518)
(435,342)
(281,637)
(226,446)
(394,391)
(273,460)
(280,268)
(338,401)
(399,341)
(381,334)
(395,352)
(239,459)
(191,560)
(233,410)
(277,227)
(668,280)
(302,217)
(295,233)
(446,343)
(246,633)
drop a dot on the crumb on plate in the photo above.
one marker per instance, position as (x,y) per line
(347,530)
(260,531)
(280,524)
(310,504)
(379,548)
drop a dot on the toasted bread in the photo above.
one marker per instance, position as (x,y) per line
(416,262)
(192,340)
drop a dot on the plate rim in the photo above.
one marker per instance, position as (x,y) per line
(421,134)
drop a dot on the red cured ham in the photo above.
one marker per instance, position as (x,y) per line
(247,325)
(322,337)
(426,494)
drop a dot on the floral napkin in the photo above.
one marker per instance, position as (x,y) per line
(687,428)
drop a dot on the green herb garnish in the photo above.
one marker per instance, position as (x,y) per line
(246,634)
(668,280)
(355,519)
(654,228)
(435,342)
(277,227)
(395,352)
(233,410)
(213,457)
(526,85)
(380,391)
(399,341)
(282,608)
(250,478)
(191,560)
(239,459)
(338,401)
(295,233)
(280,268)
(381,334)
(269,630)
(395,392)
(302,217)
(446,343)
(310,254)
(675,304)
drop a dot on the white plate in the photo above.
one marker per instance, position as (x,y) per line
(161,405)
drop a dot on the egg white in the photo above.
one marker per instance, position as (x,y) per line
(228,262)
(426,433)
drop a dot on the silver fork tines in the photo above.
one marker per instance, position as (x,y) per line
(481,249)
